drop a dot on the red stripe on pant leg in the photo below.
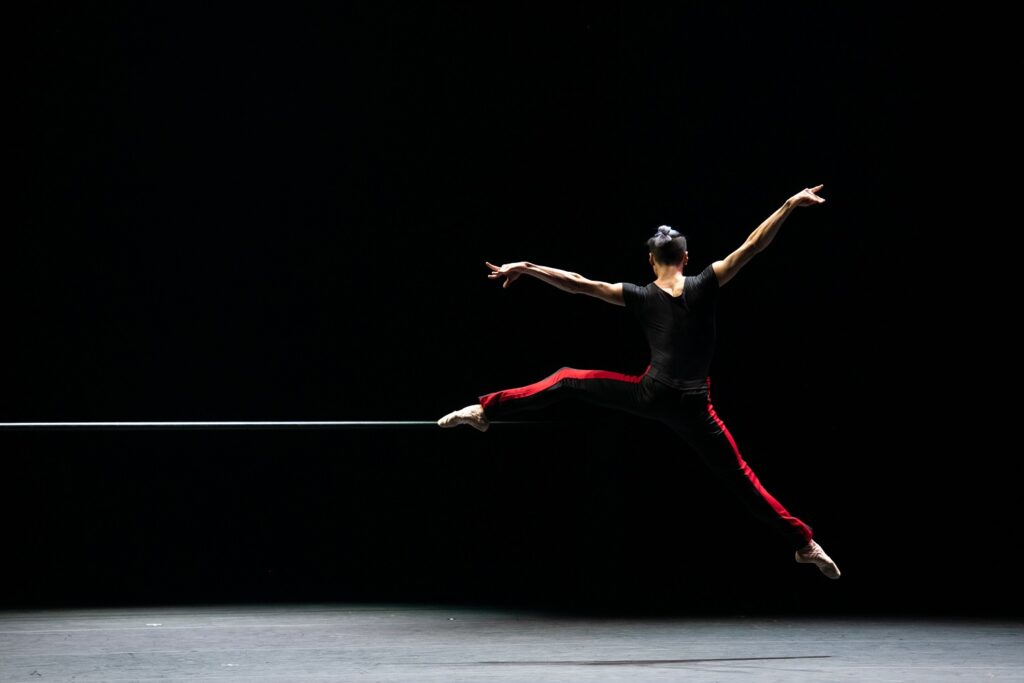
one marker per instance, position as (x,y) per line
(781,511)
(548,382)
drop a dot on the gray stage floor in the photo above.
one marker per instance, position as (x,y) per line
(415,643)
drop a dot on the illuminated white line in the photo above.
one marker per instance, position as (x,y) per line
(219,425)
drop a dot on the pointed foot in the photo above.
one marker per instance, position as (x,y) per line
(470,415)
(812,553)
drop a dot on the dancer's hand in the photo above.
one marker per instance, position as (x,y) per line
(807,197)
(511,271)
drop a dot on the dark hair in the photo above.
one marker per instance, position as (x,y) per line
(668,246)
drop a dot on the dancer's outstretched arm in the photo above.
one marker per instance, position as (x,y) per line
(759,240)
(574,283)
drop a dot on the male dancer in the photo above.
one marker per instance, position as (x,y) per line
(677,313)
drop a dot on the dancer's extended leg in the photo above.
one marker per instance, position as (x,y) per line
(601,387)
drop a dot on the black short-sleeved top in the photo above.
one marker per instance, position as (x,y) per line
(680,330)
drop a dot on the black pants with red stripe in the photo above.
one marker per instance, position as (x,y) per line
(688,414)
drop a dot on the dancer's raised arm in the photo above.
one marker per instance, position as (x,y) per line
(763,235)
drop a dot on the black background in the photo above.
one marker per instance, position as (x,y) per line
(283,213)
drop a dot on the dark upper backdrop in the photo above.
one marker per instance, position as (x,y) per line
(283,213)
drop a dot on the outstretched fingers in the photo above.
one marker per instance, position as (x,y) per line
(809,195)
(498,271)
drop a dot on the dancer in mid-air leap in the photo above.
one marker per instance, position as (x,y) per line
(677,313)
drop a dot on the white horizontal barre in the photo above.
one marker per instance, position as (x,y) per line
(221,424)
